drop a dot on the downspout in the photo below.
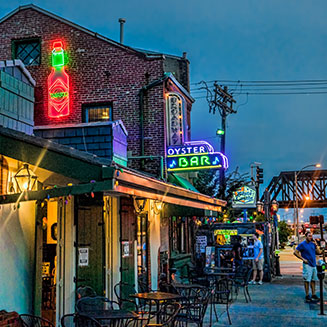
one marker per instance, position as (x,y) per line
(142,92)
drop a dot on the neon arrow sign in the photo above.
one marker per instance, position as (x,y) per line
(58,84)
(194,155)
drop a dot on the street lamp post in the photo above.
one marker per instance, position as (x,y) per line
(296,211)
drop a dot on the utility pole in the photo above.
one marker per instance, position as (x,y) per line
(224,102)
(220,100)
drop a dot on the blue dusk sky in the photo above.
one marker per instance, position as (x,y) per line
(232,40)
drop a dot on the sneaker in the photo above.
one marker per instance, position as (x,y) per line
(260,283)
(252,282)
(308,298)
(315,298)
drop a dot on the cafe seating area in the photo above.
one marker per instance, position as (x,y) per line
(200,301)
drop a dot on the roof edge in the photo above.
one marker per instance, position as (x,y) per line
(180,86)
(81,28)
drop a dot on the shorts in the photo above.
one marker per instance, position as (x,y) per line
(309,273)
(258,265)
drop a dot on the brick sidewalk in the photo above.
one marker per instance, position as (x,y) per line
(280,303)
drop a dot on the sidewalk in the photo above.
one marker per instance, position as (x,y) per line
(280,303)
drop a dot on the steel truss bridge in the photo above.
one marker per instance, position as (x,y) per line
(310,183)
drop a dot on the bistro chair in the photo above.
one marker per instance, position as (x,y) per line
(123,291)
(194,308)
(241,280)
(222,295)
(167,315)
(95,303)
(28,320)
(78,320)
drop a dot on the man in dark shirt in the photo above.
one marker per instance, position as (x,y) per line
(306,251)
(237,253)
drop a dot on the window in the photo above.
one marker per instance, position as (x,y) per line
(93,113)
(28,51)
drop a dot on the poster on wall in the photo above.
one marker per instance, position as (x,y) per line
(210,256)
(125,249)
(201,243)
(83,257)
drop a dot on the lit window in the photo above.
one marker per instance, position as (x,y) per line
(28,51)
(93,113)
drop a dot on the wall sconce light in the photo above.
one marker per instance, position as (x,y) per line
(25,179)
(139,205)
(157,207)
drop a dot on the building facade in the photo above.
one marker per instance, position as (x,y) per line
(104,115)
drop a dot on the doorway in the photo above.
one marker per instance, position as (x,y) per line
(143,252)
(49,260)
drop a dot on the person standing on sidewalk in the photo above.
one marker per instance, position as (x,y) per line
(258,260)
(306,251)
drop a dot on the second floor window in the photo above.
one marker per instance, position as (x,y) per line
(28,51)
(93,113)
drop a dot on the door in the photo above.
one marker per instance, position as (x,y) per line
(143,252)
(127,238)
(90,243)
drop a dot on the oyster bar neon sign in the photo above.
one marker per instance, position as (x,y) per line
(58,84)
(194,155)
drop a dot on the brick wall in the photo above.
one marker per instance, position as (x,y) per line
(99,71)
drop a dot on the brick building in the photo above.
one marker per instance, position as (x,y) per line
(114,103)
(114,81)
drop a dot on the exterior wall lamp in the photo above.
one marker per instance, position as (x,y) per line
(25,179)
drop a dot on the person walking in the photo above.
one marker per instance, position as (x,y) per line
(258,260)
(306,251)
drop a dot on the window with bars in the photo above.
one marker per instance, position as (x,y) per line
(94,113)
(28,51)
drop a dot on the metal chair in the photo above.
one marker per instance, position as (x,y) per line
(89,304)
(241,280)
(194,308)
(167,315)
(78,320)
(122,291)
(28,320)
(222,295)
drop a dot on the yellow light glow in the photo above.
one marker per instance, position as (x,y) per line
(307,197)
(286,209)
(318,165)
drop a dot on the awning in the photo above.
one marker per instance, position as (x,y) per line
(93,174)
(180,181)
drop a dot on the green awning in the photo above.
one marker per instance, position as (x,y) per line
(180,181)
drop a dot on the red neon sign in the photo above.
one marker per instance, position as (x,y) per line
(58,84)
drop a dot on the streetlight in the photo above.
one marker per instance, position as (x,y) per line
(296,211)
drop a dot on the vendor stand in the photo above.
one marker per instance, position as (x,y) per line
(214,243)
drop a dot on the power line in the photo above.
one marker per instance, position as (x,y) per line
(270,89)
(263,81)
(271,93)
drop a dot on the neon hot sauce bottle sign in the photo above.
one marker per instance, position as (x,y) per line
(58,84)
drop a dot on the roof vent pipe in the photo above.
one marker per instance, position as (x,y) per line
(122,21)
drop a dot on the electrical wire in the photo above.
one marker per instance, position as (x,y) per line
(263,81)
